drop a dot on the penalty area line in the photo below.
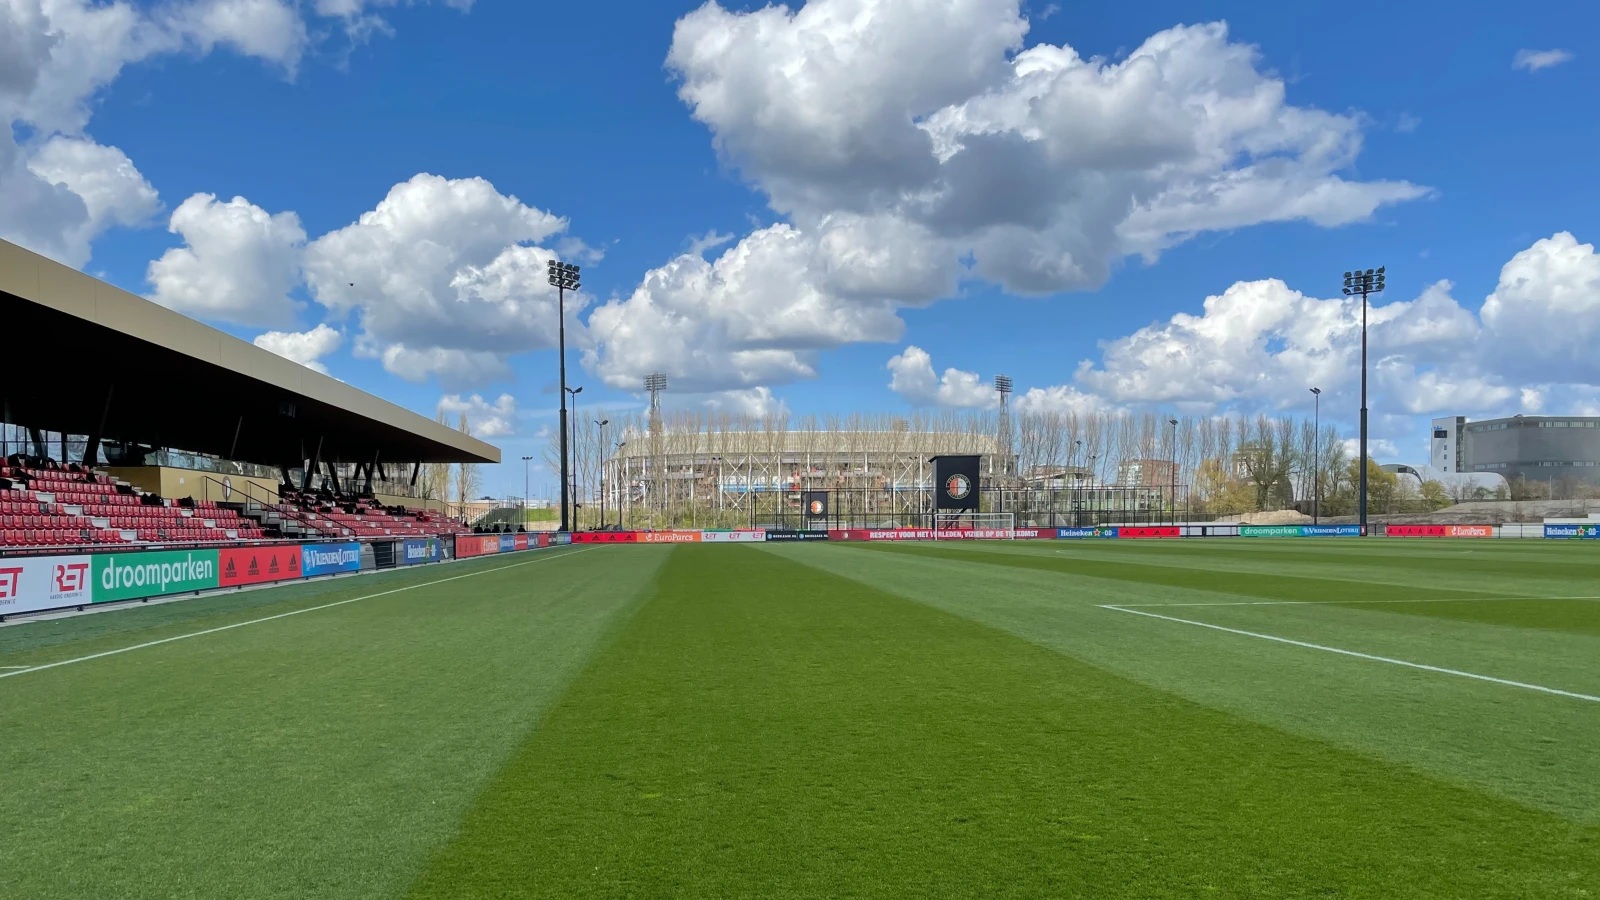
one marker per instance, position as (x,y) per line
(23,670)
(1367,656)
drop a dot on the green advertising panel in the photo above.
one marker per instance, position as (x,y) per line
(1271,531)
(129,576)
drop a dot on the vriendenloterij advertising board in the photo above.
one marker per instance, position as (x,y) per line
(1299,530)
(329,559)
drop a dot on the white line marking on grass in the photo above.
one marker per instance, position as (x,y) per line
(1343,602)
(68,662)
(1383,659)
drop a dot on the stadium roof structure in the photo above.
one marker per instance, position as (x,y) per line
(116,367)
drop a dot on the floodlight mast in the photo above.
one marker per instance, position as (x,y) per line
(1002,386)
(1363,283)
(563,277)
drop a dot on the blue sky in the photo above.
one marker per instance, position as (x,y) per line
(1449,142)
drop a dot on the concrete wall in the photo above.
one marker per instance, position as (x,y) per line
(176,484)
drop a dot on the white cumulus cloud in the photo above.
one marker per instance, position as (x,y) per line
(758,315)
(239,262)
(497,419)
(59,189)
(304,347)
(912,377)
(912,144)
(446,278)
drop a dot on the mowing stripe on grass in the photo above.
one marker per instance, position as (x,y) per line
(192,634)
(1277,586)
(1350,602)
(1383,659)
(762,728)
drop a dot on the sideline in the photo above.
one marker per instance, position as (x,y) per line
(412,587)
(1383,659)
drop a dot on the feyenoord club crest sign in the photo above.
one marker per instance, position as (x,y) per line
(816,504)
(956,483)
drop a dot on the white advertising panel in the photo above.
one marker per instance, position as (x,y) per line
(731,537)
(44,582)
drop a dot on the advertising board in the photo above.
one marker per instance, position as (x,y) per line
(1148,531)
(943,534)
(732,537)
(605,537)
(420,550)
(1299,530)
(258,565)
(131,576)
(669,537)
(44,582)
(1572,532)
(1450,531)
(329,559)
(1077,533)
(784,534)
(470,545)
(519,541)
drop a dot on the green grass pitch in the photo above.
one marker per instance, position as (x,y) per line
(1244,718)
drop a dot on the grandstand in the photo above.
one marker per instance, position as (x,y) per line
(156,430)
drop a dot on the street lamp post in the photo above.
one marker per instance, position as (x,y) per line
(563,277)
(603,423)
(525,489)
(1172,501)
(1077,485)
(624,501)
(1316,456)
(1363,283)
(569,479)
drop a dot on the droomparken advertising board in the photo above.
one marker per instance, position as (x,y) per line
(1299,530)
(132,576)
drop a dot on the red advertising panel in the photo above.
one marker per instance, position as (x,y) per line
(258,565)
(1150,531)
(606,537)
(468,545)
(1415,531)
(544,538)
(1453,531)
(521,541)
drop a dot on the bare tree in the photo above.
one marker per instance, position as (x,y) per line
(468,479)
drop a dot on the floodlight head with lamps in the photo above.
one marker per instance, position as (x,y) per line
(655,382)
(1317,391)
(1002,383)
